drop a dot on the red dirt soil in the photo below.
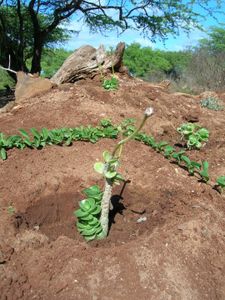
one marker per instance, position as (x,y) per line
(177,253)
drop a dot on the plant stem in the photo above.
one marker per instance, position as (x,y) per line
(104,219)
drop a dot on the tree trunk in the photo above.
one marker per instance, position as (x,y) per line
(37,53)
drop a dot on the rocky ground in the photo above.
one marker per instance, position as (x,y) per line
(177,253)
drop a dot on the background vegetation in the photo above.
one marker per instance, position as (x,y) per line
(192,70)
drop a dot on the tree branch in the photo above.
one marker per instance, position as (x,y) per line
(9,67)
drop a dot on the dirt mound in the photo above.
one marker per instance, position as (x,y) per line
(166,237)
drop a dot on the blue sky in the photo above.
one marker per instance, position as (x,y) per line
(174,44)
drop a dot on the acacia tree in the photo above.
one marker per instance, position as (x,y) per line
(154,18)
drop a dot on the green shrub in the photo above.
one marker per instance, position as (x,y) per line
(211,103)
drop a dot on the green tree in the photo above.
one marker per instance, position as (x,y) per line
(52,60)
(17,42)
(152,18)
(147,63)
(215,41)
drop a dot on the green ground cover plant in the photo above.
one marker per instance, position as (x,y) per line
(64,136)
(111,84)
(211,103)
(194,135)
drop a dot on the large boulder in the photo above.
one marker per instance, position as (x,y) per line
(29,86)
(86,61)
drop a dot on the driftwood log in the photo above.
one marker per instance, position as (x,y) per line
(86,61)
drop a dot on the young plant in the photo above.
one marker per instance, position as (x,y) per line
(111,84)
(168,151)
(191,166)
(205,173)
(108,169)
(193,134)
(211,103)
(220,183)
(178,156)
(160,146)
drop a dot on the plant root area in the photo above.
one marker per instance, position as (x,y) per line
(167,229)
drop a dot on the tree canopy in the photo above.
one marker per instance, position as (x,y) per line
(215,42)
(42,18)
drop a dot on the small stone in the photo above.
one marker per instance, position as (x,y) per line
(141,219)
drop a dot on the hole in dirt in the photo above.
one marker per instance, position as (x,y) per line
(51,215)
(136,211)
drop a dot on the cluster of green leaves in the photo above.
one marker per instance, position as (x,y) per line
(211,103)
(88,214)
(108,168)
(64,136)
(111,84)
(193,134)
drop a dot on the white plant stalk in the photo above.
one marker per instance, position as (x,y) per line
(105,206)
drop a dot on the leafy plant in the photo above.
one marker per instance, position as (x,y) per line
(160,146)
(178,156)
(90,226)
(88,214)
(191,166)
(111,84)
(168,151)
(204,173)
(211,103)
(193,134)
(221,183)
(11,210)
(63,136)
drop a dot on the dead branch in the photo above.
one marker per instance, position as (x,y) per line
(9,67)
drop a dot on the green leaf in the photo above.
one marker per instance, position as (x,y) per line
(186,160)
(89,231)
(95,222)
(80,213)
(35,133)
(87,204)
(44,133)
(99,167)
(3,154)
(82,226)
(203,134)
(119,177)
(221,181)
(105,123)
(110,174)
(204,173)
(96,210)
(107,156)
(90,238)
(27,142)
(92,191)
(24,133)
